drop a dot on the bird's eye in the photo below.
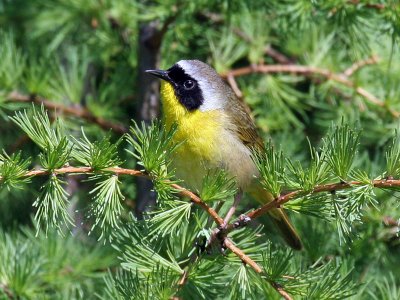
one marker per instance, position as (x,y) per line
(188,84)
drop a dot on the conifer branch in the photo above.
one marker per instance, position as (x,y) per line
(182,191)
(131,172)
(76,111)
(310,71)
(269,50)
(276,203)
(278,56)
(196,199)
(247,260)
(239,253)
(232,82)
(333,187)
(374,59)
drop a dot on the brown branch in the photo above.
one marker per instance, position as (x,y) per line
(232,82)
(389,221)
(309,71)
(241,34)
(280,290)
(244,258)
(278,56)
(196,199)
(287,65)
(76,111)
(183,278)
(277,202)
(248,261)
(121,171)
(269,50)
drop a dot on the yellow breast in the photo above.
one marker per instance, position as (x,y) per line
(197,132)
(196,129)
(207,142)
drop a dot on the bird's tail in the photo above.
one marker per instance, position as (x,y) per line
(279,217)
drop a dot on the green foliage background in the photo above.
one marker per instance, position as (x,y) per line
(84,54)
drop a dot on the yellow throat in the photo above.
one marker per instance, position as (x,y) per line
(199,134)
(196,129)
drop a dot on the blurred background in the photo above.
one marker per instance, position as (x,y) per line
(301,66)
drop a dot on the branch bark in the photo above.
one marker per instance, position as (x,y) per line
(76,111)
(277,202)
(358,65)
(310,72)
(247,260)
(131,172)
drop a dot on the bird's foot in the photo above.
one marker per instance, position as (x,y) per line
(242,221)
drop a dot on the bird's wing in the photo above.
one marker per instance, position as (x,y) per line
(244,126)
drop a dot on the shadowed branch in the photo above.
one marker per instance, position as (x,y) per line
(76,111)
(310,71)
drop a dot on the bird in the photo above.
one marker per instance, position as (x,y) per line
(215,131)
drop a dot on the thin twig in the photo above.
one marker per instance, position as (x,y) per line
(232,209)
(389,221)
(217,209)
(194,198)
(248,261)
(239,253)
(269,50)
(183,278)
(277,202)
(309,71)
(76,111)
(280,290)
(358,65)
(278,56)
(232,82)
(122,171)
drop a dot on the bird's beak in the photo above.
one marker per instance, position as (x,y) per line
(160,74)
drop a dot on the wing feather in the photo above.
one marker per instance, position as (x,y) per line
(244,126)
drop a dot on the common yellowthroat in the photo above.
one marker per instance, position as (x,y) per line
(216,131)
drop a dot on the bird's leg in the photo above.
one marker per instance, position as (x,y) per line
(242,221)
(232,210)
(219,233)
